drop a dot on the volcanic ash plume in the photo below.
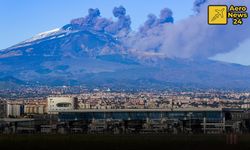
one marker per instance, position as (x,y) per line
(123,23)
(191,37)
(89,20)
(94,21)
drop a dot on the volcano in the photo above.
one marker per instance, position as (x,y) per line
(74,55)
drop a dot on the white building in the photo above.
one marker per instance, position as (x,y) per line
(56,104)
(14,110)
(246,104)
(35,109)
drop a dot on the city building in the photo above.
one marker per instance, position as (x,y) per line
(3,108)
(56,104)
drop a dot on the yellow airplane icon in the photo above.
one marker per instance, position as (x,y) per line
(217,14)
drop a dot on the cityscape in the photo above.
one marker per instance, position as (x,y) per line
(101,111)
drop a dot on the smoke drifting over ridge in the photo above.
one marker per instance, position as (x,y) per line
(123,23)
(88,20)
(95,21)
(166,16)
(160,36)
(191,37)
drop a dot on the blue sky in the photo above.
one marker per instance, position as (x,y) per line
(21,19)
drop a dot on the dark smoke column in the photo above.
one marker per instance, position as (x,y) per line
(123,23)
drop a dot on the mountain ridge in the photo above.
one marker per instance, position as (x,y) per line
(73,56)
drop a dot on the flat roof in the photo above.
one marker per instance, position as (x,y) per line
(16,120)
(141,110)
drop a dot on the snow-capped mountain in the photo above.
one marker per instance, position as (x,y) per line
(82,56)
(63,41)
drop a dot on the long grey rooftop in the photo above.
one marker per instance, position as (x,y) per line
(143,110)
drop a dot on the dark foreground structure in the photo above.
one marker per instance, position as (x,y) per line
(129,129)
(133,121)
(207,121)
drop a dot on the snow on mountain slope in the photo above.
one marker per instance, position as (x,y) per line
(43,35)
(65,42)
(96,58)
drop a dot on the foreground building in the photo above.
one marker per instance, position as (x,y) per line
(67,114)
(157,120)
(117,121)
